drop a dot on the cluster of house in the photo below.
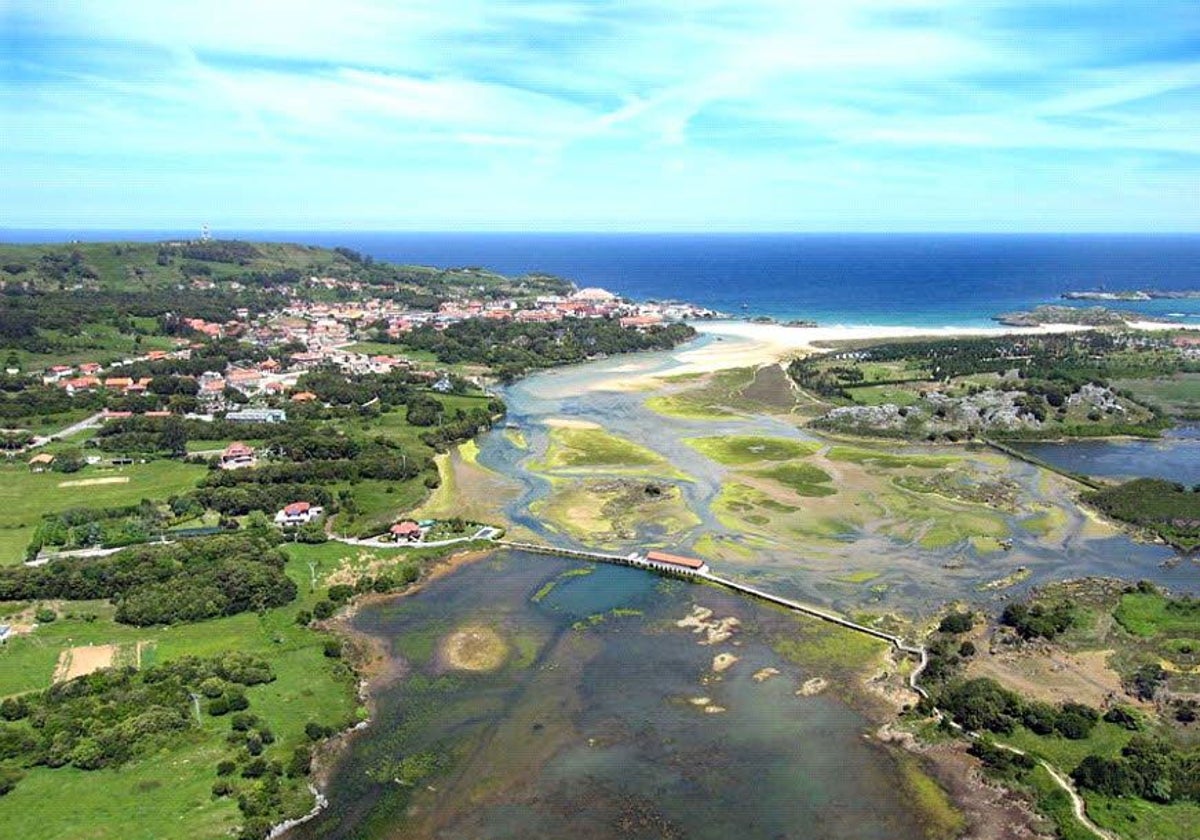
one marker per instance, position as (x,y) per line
(330,324)
(326,328)
(301,513)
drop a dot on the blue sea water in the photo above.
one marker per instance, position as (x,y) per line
(918,279)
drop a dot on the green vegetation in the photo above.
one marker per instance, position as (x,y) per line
(801,479)
(1150,614)
(584,448)
(26,497)
(888,460)
(1025,387)
(1039,620)
(1177,395)
(1163,508)
(188,581)
(737,450)
(512,349)
(940,819)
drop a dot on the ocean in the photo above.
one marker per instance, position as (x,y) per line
(915,279)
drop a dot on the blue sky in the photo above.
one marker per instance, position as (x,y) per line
(857,115)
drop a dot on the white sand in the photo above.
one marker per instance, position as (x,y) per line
(570,423)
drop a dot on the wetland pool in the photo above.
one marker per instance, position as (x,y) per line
(606,719)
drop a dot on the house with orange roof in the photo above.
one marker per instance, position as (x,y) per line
(236,455)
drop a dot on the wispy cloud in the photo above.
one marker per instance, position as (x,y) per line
(880,114)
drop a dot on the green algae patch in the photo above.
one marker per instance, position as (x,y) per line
(738,450)
(1045,523)
(579,449)
(686,409)
(738,506)
(801,479)
(829,650)
(716,548)
(861,576)
(939,818)
(887,460)
(607,512)
(549,585)
(517,438)
(986,545)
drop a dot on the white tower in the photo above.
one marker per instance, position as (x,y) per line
(205,233)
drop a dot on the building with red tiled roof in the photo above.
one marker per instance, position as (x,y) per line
(406,530)
(238,454)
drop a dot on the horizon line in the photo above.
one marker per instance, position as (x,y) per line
(596,232)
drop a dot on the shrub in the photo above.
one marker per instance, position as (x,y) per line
(45,615)
(957,622)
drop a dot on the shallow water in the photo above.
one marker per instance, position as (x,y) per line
(911,580)
(1175,456)
(589,732)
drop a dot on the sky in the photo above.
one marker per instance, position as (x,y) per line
(771,115)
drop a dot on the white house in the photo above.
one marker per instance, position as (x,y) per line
(298,513)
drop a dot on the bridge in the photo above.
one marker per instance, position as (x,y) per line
(701,572)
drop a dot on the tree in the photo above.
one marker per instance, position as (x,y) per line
(173,438)
(957,622)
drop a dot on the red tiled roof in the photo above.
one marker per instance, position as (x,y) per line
(674,559)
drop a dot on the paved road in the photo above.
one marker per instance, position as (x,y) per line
(75,428)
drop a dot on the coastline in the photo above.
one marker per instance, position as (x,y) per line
(739,343)
(370,672)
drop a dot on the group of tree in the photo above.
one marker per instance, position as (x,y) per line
(511,349)
(84,527)
(115,715)
(982,704)
(1039,620)
(1148,768)
(190,580)
(1166,508)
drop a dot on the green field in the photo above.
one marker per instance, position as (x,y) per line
(1149,614)
(738,450)
(881,394)
(1178,394)
(25,496)
(167,795)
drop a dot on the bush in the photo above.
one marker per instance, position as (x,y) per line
(254,768)
(323,609)
(316,731)
(226,768)
(45,615)
(1124,717)
(243,722)
(300,762)
(9,777)
(957,622)
(340,593)
(333,649)
(222,787)
(218,706)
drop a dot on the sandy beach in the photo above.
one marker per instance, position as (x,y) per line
(740,344)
